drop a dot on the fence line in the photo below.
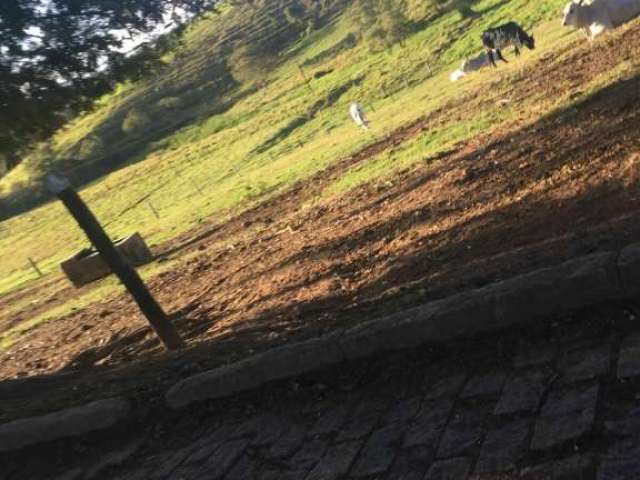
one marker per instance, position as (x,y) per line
(192,186)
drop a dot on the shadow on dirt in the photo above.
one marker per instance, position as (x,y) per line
(564,186)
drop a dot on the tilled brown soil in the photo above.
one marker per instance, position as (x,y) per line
(505,202)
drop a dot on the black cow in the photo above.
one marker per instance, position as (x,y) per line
(509,34)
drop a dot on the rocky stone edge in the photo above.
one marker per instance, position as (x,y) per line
(572,285)
(521,300)
(73,422)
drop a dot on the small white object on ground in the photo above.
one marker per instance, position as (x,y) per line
(470,65)
(357,114)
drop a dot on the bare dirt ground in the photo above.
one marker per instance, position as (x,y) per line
(502,203)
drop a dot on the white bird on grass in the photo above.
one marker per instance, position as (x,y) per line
(357,114)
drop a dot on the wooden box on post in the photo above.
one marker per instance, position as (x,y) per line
(88,266)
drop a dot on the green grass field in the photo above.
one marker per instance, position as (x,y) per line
(211,164)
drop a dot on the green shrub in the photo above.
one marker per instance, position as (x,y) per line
(135,122)
(248,64)
(90,148)
(383,23)
(169,103)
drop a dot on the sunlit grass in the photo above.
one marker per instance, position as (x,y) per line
(211,168)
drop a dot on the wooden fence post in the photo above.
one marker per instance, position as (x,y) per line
(34,265)
(128,275)
(304,77)
(197,187)
(153,209)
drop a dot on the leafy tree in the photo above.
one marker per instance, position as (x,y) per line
(296,14)
(382,23)
(57,55)
(463,7)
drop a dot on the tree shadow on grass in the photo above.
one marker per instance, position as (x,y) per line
(530,213)
(116,148)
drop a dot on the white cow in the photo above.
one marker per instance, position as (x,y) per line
(599,15)
(357,113)
(471,65)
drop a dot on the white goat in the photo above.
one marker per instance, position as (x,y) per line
(471,65)
(599,15)
(357,114)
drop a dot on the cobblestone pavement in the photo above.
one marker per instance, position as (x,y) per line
(561,402)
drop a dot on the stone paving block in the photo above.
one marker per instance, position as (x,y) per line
(585,364)
(308,456)
(336,462)
(7,471)
(574,284)
(364,419)
(170,464)
(522,392)
(629,361)
(577,467)
(443,386)
(626,448)
(72,422)
(464,432)
(223,460)
(185,472)
(379,451)
(121,454)
(534,355)
(202,453)
(280,473)
(435,322)
(590,279)
(265,429)
(373,337)
(244,469)
(74,474)
(629,267)
(207,446)
(407,476)
(627,425)
(429,424)
(453,469)
(622,462)
(430,323)
(619,469)
(403,410)
(566,415)
(331,420)
(504,447)
(139,474)
(279,363)
(484,384)
(288,443)
(411,464)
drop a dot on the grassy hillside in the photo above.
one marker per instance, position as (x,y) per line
(209,136)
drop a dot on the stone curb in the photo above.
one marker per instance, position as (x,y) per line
(521,300)
(72,422)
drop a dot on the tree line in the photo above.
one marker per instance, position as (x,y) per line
(57,56)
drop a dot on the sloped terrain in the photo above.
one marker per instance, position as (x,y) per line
(212,133)
(520,195)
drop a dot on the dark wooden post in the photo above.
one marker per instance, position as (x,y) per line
(197,187)
(304,77)
(34,265)
(126,273)
(153,209)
